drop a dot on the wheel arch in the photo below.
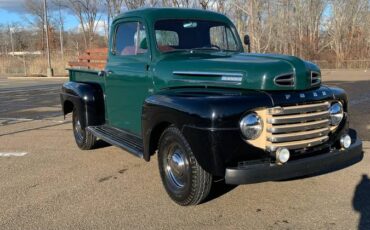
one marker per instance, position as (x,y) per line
(87,99)
(156,135)
(208,120)
(68,107)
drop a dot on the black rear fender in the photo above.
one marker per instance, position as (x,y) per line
(87,99)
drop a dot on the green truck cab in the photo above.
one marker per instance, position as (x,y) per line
(178,83)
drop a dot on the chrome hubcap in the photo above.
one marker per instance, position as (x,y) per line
(176,168)
(78,130)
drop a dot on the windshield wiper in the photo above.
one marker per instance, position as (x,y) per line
(206,48)
(199,49)
(177,50)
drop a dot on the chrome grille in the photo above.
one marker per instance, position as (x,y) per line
(315,78)
(298,126)
(284,80)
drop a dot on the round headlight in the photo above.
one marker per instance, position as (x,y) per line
(282,155)
(345,141)
(336,113)
(251,126)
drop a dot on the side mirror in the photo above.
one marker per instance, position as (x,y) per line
(247,42)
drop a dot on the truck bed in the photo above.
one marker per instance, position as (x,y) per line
(86,75)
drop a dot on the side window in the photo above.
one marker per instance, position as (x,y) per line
(222,37)
(130,39)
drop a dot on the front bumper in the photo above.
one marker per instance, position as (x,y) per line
(331,161)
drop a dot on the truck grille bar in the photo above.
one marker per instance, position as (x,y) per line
(315,78)
(297,126)
(285,79)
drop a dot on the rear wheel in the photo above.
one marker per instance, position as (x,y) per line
(84,139)
(185,181)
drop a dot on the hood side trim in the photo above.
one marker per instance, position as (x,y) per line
(204,73)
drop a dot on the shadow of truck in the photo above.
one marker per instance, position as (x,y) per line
(361,202)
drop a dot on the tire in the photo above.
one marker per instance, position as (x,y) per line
(185,181)
(84,139)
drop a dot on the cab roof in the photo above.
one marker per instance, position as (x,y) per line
(154,14)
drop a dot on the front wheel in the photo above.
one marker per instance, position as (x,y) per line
(84,139)
(185,181)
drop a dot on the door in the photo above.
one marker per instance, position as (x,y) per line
(127,79)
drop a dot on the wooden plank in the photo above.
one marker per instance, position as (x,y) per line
(90,65)
(93,57)
(97,50)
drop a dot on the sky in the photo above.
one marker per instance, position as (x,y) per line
(13,11)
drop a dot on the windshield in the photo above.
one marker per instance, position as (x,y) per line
(172,35)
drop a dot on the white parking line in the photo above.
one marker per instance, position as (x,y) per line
(6,91)
(14,154)
(15,119)
(27,119)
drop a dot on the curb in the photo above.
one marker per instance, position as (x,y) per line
(38,78)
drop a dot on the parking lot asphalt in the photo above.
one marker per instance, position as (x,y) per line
(46,182)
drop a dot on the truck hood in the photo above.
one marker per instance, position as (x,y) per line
(236,70)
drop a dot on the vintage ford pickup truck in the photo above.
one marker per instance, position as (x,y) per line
(178,83)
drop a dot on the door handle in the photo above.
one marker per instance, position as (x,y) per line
(104,73)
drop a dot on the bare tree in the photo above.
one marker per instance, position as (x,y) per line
(4,39)
(134,4)
(205,4)
(35,8)
(113,8)
(347,26)
(333,30)
(60,7)
(153,3)
(87,14)
(181,3)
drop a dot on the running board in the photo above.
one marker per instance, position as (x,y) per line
(119,138)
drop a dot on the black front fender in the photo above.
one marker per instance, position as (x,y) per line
(87,99)
(209,120)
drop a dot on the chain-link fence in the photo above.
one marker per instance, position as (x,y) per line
(36,65)
(346,64)
(32,65)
